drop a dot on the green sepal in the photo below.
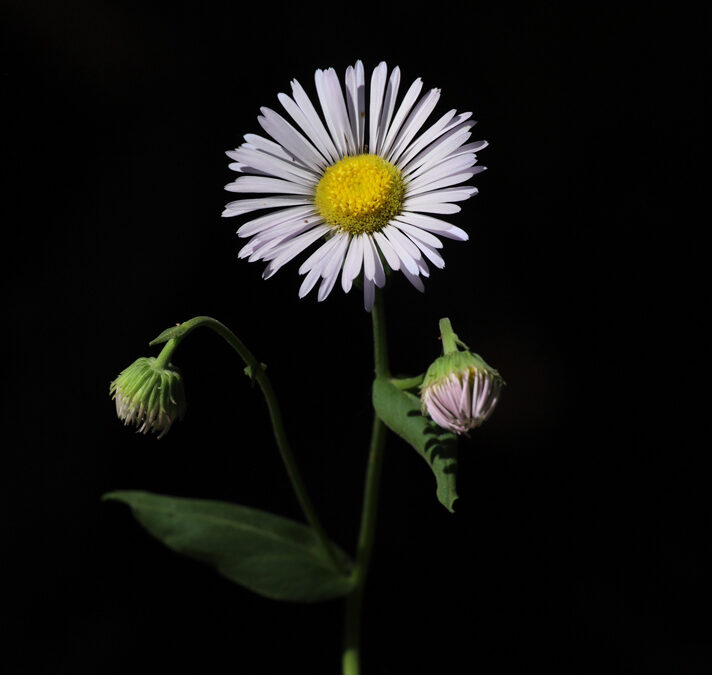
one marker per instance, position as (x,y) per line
(456,362)
(273,556)
(400,412)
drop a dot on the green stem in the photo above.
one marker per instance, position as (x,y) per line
(448,336)
(165,356)
(257,372)
(351,661)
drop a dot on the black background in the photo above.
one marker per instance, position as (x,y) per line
(579,544)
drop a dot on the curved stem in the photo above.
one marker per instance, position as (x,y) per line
(164,357)
(351,660)
(257,372)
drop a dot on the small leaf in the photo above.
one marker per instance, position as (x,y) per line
(170,333)
(408,383)
(400,412)
(271,555)
(249,371)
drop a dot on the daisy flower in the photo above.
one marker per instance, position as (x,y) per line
(362,181)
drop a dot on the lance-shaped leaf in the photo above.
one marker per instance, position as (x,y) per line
(271,555)
(400,412)
(174,332)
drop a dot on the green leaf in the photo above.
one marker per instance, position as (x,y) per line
(271,555)
(400,412)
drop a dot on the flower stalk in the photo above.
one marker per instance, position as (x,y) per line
(257,372)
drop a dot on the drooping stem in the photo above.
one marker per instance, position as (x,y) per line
(257,372)
(351,661)
(164,357)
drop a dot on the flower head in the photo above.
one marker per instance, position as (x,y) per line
(362,185)
(460,389)
(149,395)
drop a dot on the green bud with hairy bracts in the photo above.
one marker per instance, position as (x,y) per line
(150,395)
(456,362)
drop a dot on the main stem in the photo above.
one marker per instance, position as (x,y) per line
(351,661)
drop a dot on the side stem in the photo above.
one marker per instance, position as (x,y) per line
(257,372)
(351,661)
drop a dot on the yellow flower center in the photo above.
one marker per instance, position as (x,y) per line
(360,194)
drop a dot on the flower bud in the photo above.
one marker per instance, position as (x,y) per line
(459,391)
(149,395)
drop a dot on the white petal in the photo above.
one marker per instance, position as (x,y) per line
(351,93)
(429,252)
(415,120)
(337,254)
(261,161)
(412,231)
(369,294)
(274,236)
(255,184)
(369,264)
(406,104)
(387,249)
(294,248)
(446,123)
(378,84)
(452,179)
(408,263)
(309,281)
(255,142)
(243,168)
(296,113)
(475,147)
(396,236)
(246,205)
(352,263)
(451,194)
(414,279)
(292,141)
(275,218)
(436,225)
(448,167)
(356,103)
(306,106)
(361,89)
(269,244)
(389,104)
(430,206)
(332,103)
(442,148)
(320,255)
(331,271)
(379,274)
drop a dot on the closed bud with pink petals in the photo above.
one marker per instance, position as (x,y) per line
(460,389)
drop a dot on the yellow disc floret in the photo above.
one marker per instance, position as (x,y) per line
(360,194)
